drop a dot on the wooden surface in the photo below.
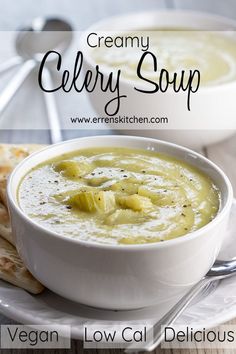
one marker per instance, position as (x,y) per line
(82,14)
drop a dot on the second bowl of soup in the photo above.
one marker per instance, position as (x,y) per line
(181,41)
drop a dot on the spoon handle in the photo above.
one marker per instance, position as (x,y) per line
(53,117)
(12,87)
(171,316)
(10,64)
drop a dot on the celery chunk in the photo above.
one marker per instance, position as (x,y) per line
(72,169)
(135,202)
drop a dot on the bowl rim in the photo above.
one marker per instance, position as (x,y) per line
(14,206)
(163,12)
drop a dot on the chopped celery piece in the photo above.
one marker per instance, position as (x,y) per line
(135,202)
(72,168)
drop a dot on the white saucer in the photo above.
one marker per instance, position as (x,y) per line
(48,308)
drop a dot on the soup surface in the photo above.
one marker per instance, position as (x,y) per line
(212,53)
(118,196)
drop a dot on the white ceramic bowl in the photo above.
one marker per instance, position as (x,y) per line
(118,276)
(213,108)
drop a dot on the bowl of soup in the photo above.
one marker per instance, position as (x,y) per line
(178,74)
(117,222)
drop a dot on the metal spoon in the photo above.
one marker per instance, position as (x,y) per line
(219,270)
(31,43)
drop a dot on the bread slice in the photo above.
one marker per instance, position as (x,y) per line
(13,270)
(10,156)
(5,226)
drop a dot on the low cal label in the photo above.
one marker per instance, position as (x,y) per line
(116,335)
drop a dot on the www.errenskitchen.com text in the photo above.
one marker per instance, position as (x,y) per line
(119,120)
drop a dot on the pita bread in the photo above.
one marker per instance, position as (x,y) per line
(5,226)
(10,156)
(3,191)
(13,270)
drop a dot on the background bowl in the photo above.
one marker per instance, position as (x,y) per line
(213,108)
(118,276)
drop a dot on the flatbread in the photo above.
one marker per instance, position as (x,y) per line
(5,226)
(10,156)
(13,270)
(3,191)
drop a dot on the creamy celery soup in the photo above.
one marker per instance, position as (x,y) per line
(212,53)
(118,196)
